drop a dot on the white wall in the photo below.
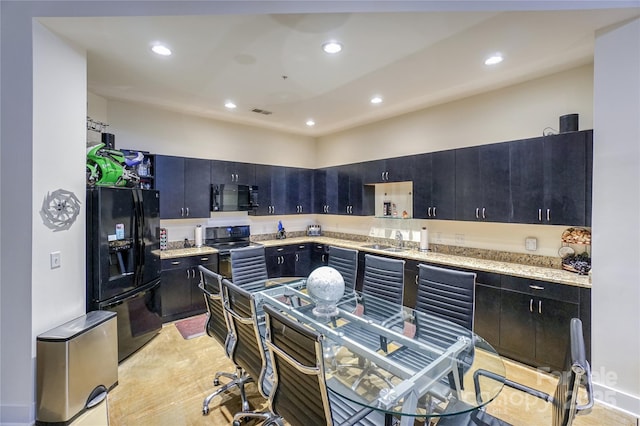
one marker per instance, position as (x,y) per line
(515,112)
(616,225)
(170,133)
(59,132)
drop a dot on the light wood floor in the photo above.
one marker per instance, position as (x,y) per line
(165,382)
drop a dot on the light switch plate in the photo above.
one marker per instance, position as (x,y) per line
(54,258)
(531,243)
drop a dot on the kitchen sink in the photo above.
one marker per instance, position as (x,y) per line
(384,247)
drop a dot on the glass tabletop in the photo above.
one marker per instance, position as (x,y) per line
(404,362)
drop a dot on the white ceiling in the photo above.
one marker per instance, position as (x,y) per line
(413,60)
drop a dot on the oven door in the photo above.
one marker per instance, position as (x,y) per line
(224,265)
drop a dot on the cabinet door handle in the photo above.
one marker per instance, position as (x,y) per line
(301,209)
(416,280)
(323,258)
(434,212)
(187,211)
(530,305)
(477,213)
(540,307)
(204,259)
(539,215)
(279,249)
(182,211)
(548,215)
(351,209)
(175,262)
(536,287)
(282,260)
(297,257)
(483,211)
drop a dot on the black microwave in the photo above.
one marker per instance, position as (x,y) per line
(229,197)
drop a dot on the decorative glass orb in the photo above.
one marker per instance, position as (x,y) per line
(326,287)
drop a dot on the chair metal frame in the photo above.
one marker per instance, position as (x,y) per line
(334,408)
(244,325)
(210,282)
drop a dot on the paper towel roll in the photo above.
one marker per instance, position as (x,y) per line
(198,236)
(424,239)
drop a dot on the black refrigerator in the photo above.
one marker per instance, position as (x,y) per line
(123,261)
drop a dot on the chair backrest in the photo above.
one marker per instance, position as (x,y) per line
(447,294)
(217,326)
(577,371)
(345,261)
(248,350)
(248,264)
(299,392)
(383,278)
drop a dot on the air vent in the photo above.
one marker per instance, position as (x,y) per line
(261,111)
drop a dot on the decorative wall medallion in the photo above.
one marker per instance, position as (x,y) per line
(60,209)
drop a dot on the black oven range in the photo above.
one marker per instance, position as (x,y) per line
(225,238)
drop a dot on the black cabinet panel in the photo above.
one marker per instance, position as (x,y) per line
(487,314)
(232,172)
(184,185)
(482,183)
(299,190)
(517,327)
(434,185)
(272,189)
(552,331)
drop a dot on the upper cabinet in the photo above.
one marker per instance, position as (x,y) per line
(354,198)
(482,183)
(232,172)
(299,190)
(272,187)
(551,179)
(434,185)
(184,185)
(389,170)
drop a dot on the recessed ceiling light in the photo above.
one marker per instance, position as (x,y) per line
(230,105)
(332,47)
(161,49)
(311,123)
(493,59)
(376,100)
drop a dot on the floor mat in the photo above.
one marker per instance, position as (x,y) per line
(192,327)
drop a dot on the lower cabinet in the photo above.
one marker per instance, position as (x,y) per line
(179,292)
(319,256)
(487,310)
(293,260)
(534,321)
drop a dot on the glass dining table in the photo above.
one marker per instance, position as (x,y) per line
(407,365)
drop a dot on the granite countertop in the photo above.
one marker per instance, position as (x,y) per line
(519,270)
(186,252)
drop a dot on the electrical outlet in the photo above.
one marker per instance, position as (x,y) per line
(54,257)
(460,239)
(531,243)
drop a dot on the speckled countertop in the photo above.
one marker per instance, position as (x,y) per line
(519,270)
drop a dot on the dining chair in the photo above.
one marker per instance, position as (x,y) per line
(564,402)
(248,264)
(300,395)
(345,261)
(217,327)
(248,350)
(449,295)
(384,280)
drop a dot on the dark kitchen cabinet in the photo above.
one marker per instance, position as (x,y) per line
(534,320)
(232,172)
(551,179)
(272,189)
(482,183)
(397,169)
(299,190)
(319,255)
(325,190)
(354,198)
(488,306)
(179,292)
(434,185)
(184,185)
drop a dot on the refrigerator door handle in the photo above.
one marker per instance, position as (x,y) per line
(137,237)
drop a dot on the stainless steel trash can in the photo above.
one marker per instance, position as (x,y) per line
(77,364)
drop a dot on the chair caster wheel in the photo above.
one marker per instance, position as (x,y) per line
(216,382)
(236,423)
(205,411)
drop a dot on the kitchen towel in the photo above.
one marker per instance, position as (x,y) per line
(198,236)
(424,239)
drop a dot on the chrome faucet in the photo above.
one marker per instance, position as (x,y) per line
(399,241)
